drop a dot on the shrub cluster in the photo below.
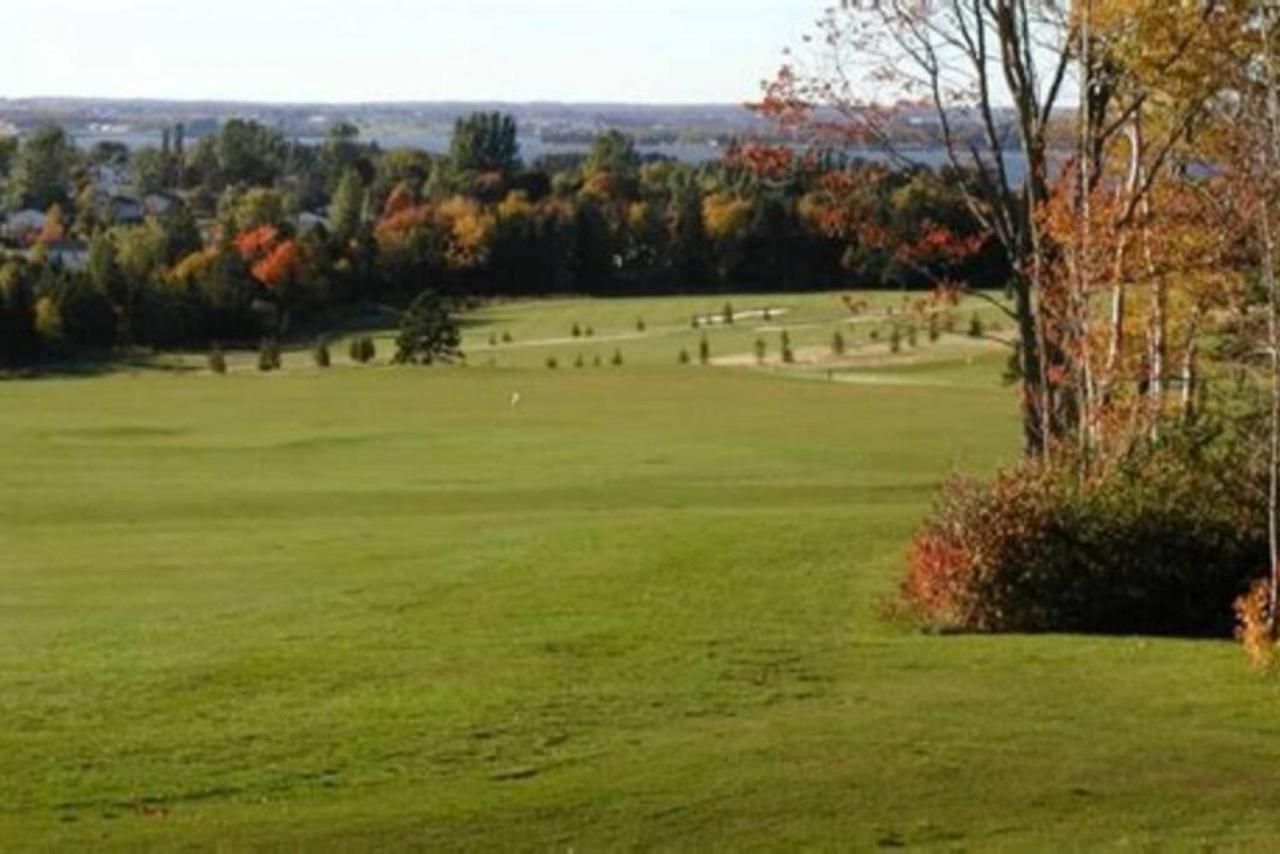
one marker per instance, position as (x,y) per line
(1162,544)
(362,349)
(269,358)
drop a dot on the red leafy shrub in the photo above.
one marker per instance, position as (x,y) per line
(1162,544)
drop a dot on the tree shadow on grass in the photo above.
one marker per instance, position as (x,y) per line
(92,368)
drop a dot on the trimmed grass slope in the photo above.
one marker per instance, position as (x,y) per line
(380,607)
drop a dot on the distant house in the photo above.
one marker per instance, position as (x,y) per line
(70,255)
(23,224)
(308,221)
(125,210)
(109,179)
(159,204)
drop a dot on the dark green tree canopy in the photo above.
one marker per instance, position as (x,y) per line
(428,332)
(42,170)
(485,142)
(614,152)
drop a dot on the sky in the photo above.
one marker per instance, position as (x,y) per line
(651,51)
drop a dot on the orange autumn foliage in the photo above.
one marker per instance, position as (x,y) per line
(256,243)
(283,264)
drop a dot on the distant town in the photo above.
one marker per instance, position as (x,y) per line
(691,133)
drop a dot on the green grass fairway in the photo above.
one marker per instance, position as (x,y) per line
(379,608)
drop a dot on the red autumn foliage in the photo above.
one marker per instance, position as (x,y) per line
(772,162)
(283,264)
(256,243)
(960,562)
(1162,544)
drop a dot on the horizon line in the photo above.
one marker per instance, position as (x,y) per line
(443,102)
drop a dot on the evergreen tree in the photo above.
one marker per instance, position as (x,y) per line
(320,355)
(428,332)
(42,170)
(217,361)
(347,206)
(485,142)
(269,358)
(19,342)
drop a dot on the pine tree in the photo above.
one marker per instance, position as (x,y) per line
(269,355)
(217,361)
(428,332)
(321,353)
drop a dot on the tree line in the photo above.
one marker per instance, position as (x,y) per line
(257,235)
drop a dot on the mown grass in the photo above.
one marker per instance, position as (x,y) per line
(379,607)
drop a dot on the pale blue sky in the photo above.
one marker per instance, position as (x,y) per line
(671,51)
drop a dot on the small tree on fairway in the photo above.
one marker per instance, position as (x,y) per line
(976,327)
(362,350)
(428,332)
(875,333)
(506,338)
(935,330)
(617,358)
(217,361)
(552,363)
(640,324)
(590,331)
(913,339)
(683,358)
(787,355)
(579,362)
(269,355)
(596,362)
(321,353)
(761,349)
(704,350)
(895,339)
(576,331)
(837,344)
(728,314)
(695,322)
(493,340)
(768,315)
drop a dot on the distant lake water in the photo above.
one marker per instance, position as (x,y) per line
(531,148)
